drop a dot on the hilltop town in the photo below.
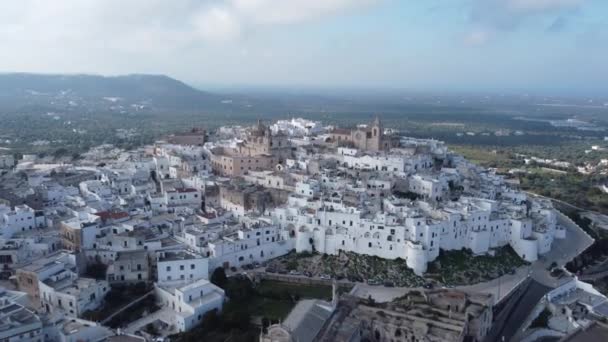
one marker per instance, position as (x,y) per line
(161,220)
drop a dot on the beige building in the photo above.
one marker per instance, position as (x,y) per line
(194,137)
(261,150)
(370,138)
(242,198)
(30,275)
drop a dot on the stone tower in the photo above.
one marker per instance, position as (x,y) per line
(375,143)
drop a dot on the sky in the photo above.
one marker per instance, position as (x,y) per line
(558,46)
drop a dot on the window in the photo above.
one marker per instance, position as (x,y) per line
(168,268)
(181,267)
(192,266)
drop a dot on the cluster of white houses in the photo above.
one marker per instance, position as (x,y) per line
(173,212)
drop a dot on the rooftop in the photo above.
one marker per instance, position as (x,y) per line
(178,255)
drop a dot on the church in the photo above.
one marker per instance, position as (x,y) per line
(365,138)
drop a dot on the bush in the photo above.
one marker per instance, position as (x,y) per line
(219,278)
(96,270)
(151,329)
(542,320)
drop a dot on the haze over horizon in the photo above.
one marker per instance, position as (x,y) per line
(538,46)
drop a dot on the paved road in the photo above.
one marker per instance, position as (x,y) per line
(562,251)
(508,322)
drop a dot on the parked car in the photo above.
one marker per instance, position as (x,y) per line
(325,276)
(428,286)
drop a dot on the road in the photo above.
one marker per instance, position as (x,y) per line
(508,322)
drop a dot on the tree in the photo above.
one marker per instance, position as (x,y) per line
(219,277)
(210,320)
(96,270)
(151,329)
(239,289)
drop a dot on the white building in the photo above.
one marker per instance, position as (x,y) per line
(16,322)
(416,234)
(180,266)
(189,303)
(297,127)
(20,219)
(66,292)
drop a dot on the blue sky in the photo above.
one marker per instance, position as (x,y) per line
(545,46)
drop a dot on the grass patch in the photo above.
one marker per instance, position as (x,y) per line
(462,267)
(273,309)
(351,266)
(271,288)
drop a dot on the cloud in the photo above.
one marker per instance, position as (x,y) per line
(477,37)
(500,16)
(558,25)
(541,5)
(210,20)
(117,36)
(292,11)
(217,24)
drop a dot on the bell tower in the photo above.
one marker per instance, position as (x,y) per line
(376,141)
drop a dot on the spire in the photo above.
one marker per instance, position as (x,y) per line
(377,121)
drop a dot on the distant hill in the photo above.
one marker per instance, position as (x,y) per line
(129,92)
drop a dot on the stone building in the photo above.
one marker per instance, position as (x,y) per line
(366,138)
(261,150)
(194,137)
